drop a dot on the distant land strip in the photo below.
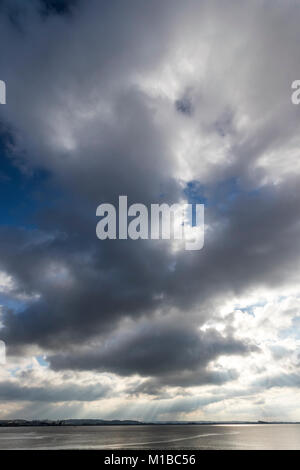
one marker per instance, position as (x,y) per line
(116,422)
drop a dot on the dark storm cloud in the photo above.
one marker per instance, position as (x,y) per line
(175,354)
(77,109)
(255,244)
(105,285)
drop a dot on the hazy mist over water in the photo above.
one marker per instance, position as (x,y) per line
(236,437)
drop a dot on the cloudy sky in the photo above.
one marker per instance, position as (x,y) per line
(163,101)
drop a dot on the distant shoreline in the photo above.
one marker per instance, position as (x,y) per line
(98,422)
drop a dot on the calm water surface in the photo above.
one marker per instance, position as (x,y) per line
(269,436)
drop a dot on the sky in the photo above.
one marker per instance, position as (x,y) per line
(162,101)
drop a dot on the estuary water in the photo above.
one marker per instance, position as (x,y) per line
(252,436)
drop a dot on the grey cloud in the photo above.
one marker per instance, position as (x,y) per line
(175,355)
(184,106)
(36,409)
(291,379)
(174,407)
(46,392)
(196,378)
